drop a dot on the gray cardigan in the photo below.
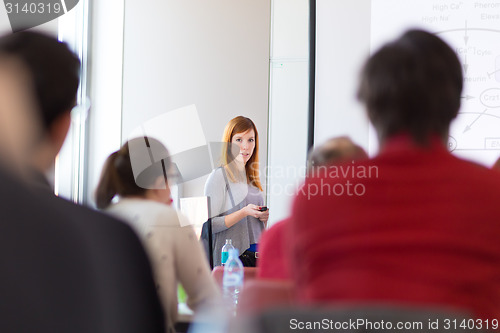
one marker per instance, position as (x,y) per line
(246,231)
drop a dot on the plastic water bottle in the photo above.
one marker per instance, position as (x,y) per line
(232,280)
(225,251)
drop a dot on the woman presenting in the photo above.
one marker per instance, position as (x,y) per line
(235,193)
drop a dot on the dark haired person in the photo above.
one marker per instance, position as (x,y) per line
(73,269)
(143,200)
(421,231)
(56,77)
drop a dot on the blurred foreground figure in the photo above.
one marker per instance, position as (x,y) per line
(65,268)
(415,225)
(273,262)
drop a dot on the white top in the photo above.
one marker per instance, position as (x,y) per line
(174,252)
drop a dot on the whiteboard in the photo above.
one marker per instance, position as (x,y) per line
(472,28)
(342,45)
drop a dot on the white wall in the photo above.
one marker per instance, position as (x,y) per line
(214,54)
(288,110)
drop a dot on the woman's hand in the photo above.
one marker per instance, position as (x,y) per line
(249,210)
(264,217)
(252,210)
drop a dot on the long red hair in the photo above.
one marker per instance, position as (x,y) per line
(236,125)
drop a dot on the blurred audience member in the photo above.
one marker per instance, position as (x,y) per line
(335,151)
(415,225)
(55,71)
(273,261)
(144,201)
(65,268)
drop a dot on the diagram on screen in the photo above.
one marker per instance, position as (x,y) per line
(472,28)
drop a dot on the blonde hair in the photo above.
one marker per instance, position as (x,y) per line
(236,125)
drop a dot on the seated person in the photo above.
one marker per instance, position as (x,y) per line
(144,202)
(415,225)
(65,268)
(273,262)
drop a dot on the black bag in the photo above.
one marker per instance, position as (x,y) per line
(204,232)
(248,259)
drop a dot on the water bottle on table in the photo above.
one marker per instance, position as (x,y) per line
(232,280)
(225,251)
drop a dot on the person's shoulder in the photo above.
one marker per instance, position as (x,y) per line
(33,207)
(79,211)
(169,216)
(277,230)
(90,220)
(155,213)
(477,174)
(215,178)
(279,226)
(217,174)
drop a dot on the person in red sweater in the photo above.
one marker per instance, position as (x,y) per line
(273,263)
(415,225)
(496,165)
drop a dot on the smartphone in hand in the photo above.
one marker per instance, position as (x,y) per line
(262,209)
